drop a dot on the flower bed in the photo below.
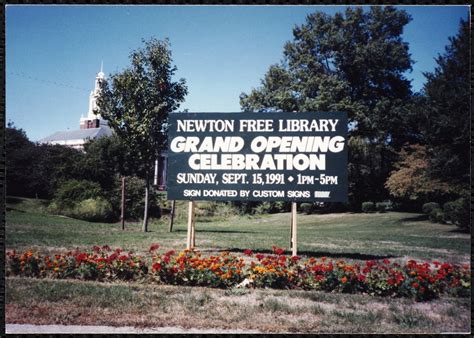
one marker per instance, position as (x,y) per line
(421,280)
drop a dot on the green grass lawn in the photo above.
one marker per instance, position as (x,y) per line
(396,235)
(353,236)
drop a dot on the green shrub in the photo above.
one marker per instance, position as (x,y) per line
(72,192)
(307,208)
(94,210)
(215,209)
(263,208)
(280,206)
(368,207)
(381,206)
(428,207)
(225,210)
(91,209)
(437,215)
(458,213)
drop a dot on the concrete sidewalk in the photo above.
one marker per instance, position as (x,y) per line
(71,329)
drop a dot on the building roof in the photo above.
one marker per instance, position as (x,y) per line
(80,134)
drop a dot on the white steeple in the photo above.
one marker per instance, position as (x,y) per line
(93,100)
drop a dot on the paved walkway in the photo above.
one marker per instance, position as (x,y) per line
(70,329)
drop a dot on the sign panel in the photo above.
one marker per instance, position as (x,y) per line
(258,156)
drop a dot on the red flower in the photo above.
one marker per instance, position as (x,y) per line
(319,278)
(170,253)
(106,248)
(370,264)
(248,252)
(295,258)
(95,248)
(260,256)
(156,266)
(386,261)
(277,250)
(81,257)
(166,259)
(123,258)
(112,257)
(361,277)
(344,279)
(415,285)
(154,247)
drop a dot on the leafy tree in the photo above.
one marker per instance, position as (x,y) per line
(20,152)
(56,164)
(106,158)
(436,166)
(353,62)
(446,127)
(411,180)
(137,101)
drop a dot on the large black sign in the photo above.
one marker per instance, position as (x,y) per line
(258,156)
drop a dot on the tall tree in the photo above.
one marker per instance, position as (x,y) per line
(353,62)
(447,109)
(136,103)
(439,117)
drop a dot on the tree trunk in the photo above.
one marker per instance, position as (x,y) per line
(173,204)
(147,198)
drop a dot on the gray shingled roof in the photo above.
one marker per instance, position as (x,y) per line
(90,133)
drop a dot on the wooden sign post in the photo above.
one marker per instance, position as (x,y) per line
(190,237)
(122,213)
(293,229)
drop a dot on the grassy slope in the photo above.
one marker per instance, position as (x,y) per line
(350,236)
(357,236)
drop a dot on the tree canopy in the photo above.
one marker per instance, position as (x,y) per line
(440,116)
(136,103)
(353,62)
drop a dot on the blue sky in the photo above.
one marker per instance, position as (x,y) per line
(54,52)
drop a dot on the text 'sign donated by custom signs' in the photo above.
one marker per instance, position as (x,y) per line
(258,156)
